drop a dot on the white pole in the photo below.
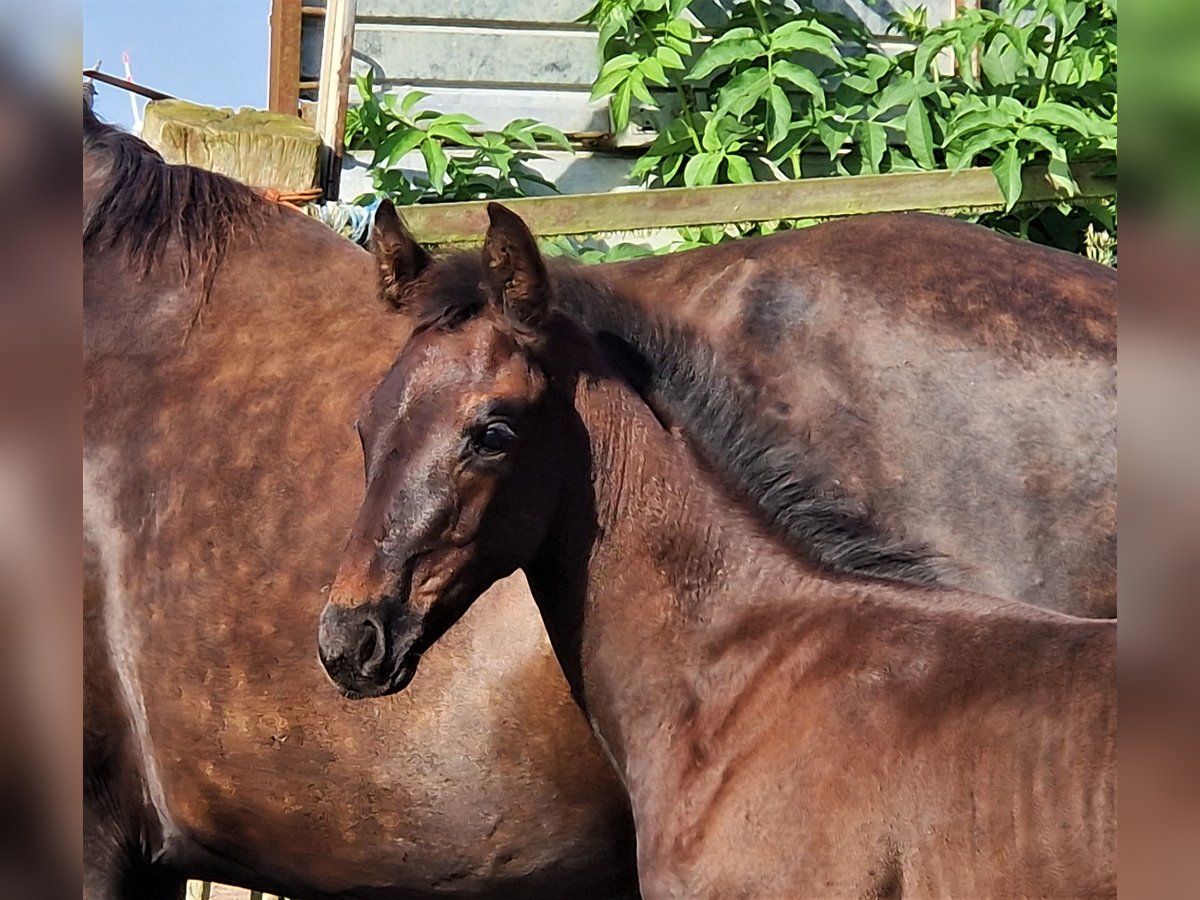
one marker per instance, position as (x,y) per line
(137,118)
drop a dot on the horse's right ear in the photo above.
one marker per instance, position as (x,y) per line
(400,258)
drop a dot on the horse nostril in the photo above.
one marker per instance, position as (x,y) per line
(368,655)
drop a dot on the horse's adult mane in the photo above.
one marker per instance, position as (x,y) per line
(147,204)
(682,377)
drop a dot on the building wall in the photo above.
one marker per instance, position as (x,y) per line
(499,60)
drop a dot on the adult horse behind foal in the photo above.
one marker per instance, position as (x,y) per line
(796,706)
(226,346)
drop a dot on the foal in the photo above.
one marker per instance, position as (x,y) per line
(795,707)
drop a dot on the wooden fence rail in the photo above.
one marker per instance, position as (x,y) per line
(815,198)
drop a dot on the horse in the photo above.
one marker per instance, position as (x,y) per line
(225,340)
(795,702)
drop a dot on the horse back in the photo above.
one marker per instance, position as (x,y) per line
(959,384)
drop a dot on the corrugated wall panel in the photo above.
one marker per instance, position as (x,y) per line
(498,60)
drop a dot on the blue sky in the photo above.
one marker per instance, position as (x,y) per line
(210,51)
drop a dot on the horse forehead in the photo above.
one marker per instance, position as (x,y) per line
(471,364)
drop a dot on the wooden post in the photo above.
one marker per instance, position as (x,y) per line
(283,87)
(336,50)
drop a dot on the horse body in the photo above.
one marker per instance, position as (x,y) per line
(960,384)
(220,464)
(787,735)
(796,707)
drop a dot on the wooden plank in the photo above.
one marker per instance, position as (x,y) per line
(450,223)
(283,88)
(336,50)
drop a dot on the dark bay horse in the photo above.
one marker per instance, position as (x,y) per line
(221,467)
(795,704)
(959,384)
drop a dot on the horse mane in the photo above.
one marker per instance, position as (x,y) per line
(147,205)
(684,380)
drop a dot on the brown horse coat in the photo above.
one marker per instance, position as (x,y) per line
(220,467)
(959,383)
(795,706)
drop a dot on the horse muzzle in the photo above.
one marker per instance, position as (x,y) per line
(363,653)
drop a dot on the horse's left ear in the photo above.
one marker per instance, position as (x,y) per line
(400,258)
(516,272)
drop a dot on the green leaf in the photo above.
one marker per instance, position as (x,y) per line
(723,53)
(702,169)
(739,170)
(671,167)
(452,131)
(1060,174)
(781,115)
(1007,170)
(833,134)
(639,89)
(967,123)
(929,48)
(898,93)
(919,133)
(668,58)
(799,76)
(624,61)
(652,71)
(366,91)
(681,28)
(874,142)
(1037,135)
(607,83)
(619,106)
(435,163)
(962,155)
(548,134)
(743,92)
(797,36)
(1063,116)
(400,143)
(411,99)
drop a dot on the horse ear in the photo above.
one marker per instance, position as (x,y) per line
(401,259)
(516,272)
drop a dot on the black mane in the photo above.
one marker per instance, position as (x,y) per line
(685,381)
(147,205)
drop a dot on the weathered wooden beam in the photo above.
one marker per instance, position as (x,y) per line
(283,76)
(812,198)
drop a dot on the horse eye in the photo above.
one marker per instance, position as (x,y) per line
(495,438)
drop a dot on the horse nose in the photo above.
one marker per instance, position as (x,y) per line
(352,644)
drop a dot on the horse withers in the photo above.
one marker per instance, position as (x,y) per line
(795,703)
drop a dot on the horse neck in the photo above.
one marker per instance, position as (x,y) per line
(651,562)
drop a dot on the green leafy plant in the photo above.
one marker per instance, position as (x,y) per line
(779,89)
(460,163)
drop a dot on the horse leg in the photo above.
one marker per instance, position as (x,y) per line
(118,858)
(114,868)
